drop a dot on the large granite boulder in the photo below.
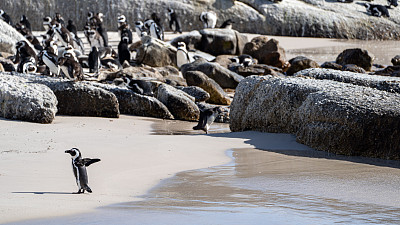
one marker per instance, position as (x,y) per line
(137,104)
(357,57)
(383,83)
(214,41)
(156,53)
(326,115)
(300,63)
(198,93)
(217,94)
(78,98)
(266,51)
(180,104)
(9,37)
(223,76)
(22,100)
(307,18)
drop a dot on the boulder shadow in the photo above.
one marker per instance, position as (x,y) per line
(286,144)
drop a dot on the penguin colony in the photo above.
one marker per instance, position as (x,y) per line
(374,9)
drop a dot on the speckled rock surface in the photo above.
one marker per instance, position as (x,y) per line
(383,83)
(77,98)
(9,37)
(180,104)
(326,115)
(23,100)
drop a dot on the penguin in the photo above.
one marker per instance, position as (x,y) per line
(392,3)
(59,19)
(24,21)
(63,35)
(34,41)
(79,165)
(244,60)
(24,53)
(94,38)
(94,60)
(377,10)
(72,28)
(70,65)
(4,16)
(207,117)
(227,24)
(27,65)
(123,50)
(182,56)
(209,19)
(103,33)
(139,28)
(111,63)
(174,22)
(155,30)
(124,29)
(51,61)
(47,23)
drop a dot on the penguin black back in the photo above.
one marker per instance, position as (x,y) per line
(94,60)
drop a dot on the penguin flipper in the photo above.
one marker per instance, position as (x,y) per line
(87,161)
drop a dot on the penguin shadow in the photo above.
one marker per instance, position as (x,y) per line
(43,193)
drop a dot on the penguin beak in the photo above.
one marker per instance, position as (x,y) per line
(68,151)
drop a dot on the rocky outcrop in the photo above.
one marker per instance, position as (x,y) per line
(313,18)
(224,77)
(9,37)
(266,51)
(383,83)
(300,63)
(77,98)
(326,115)
(180,104)
(136,104)
(217,94)
(357,57)
(22,100)
(156,53)
(197,92)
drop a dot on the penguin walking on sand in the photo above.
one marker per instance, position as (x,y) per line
(182,55)
(207,117)
(5,17)
(79,165)
(209,19)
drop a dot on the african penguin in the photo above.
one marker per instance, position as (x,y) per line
(155,30)
(139,28)
(123,50)
(209,19)
(207,117)
(182,55)
(392,3)
(70,65)
(24,21)
(94,60)
(24,52)
(79,165)
(27,65)
(243,60)
(174,22)
(59,19)
(5,17)
(51,61)
(48,23)
(377,10)
(72,28)
(227,24)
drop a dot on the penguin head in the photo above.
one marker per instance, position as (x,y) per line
(90,14)
(170,11)
(74,152)
(23,18)
(1,12)
(121,19)
(20,44)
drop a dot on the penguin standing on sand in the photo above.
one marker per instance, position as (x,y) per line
(207,117)
(5,17)
(182,55)
(79,165)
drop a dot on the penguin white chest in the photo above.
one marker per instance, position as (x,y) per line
(181,58)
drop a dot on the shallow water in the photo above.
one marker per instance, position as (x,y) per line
(263,187)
